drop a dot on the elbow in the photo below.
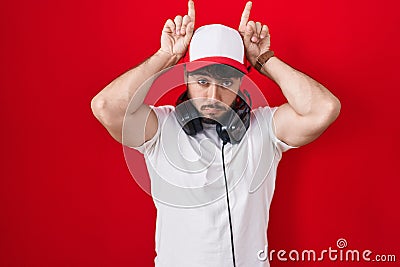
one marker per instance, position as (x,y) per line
(330,110)
(97,104)
(99,108)
(334,108)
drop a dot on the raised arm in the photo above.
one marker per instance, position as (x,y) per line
(311,107)
(110,104)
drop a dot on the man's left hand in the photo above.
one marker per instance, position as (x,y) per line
(256,37)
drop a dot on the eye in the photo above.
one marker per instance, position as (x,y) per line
(202,81)
(227,83)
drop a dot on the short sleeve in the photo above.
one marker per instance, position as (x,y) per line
(282,146)
(162,113)
(267,114)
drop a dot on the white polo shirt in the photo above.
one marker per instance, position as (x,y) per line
(187,184)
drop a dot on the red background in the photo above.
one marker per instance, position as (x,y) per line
(66,195)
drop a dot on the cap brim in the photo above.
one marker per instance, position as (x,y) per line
(204,62)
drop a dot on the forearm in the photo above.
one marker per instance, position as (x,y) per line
(306,96)
(113,100)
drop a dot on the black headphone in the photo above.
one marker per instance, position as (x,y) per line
(230,128)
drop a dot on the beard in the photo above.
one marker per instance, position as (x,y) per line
(222,115)
(212,118)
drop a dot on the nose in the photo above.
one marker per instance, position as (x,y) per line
(213,92)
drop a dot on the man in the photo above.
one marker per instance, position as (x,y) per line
(195,225)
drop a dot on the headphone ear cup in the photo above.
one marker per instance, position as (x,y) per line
(187,115)
(193,127)
(190,128)
(236,121)
(197,125)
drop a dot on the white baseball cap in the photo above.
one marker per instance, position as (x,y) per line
(216,44)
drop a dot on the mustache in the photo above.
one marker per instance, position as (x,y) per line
(213,106)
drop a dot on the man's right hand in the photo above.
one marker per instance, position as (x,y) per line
(176,34)
(122,103)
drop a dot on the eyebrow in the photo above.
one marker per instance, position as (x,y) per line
(218,79)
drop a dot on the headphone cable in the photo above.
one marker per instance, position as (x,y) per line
(227,200)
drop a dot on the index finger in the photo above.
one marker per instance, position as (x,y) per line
(245,16)
(191,12)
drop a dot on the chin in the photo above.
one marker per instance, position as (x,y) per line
(212,118)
